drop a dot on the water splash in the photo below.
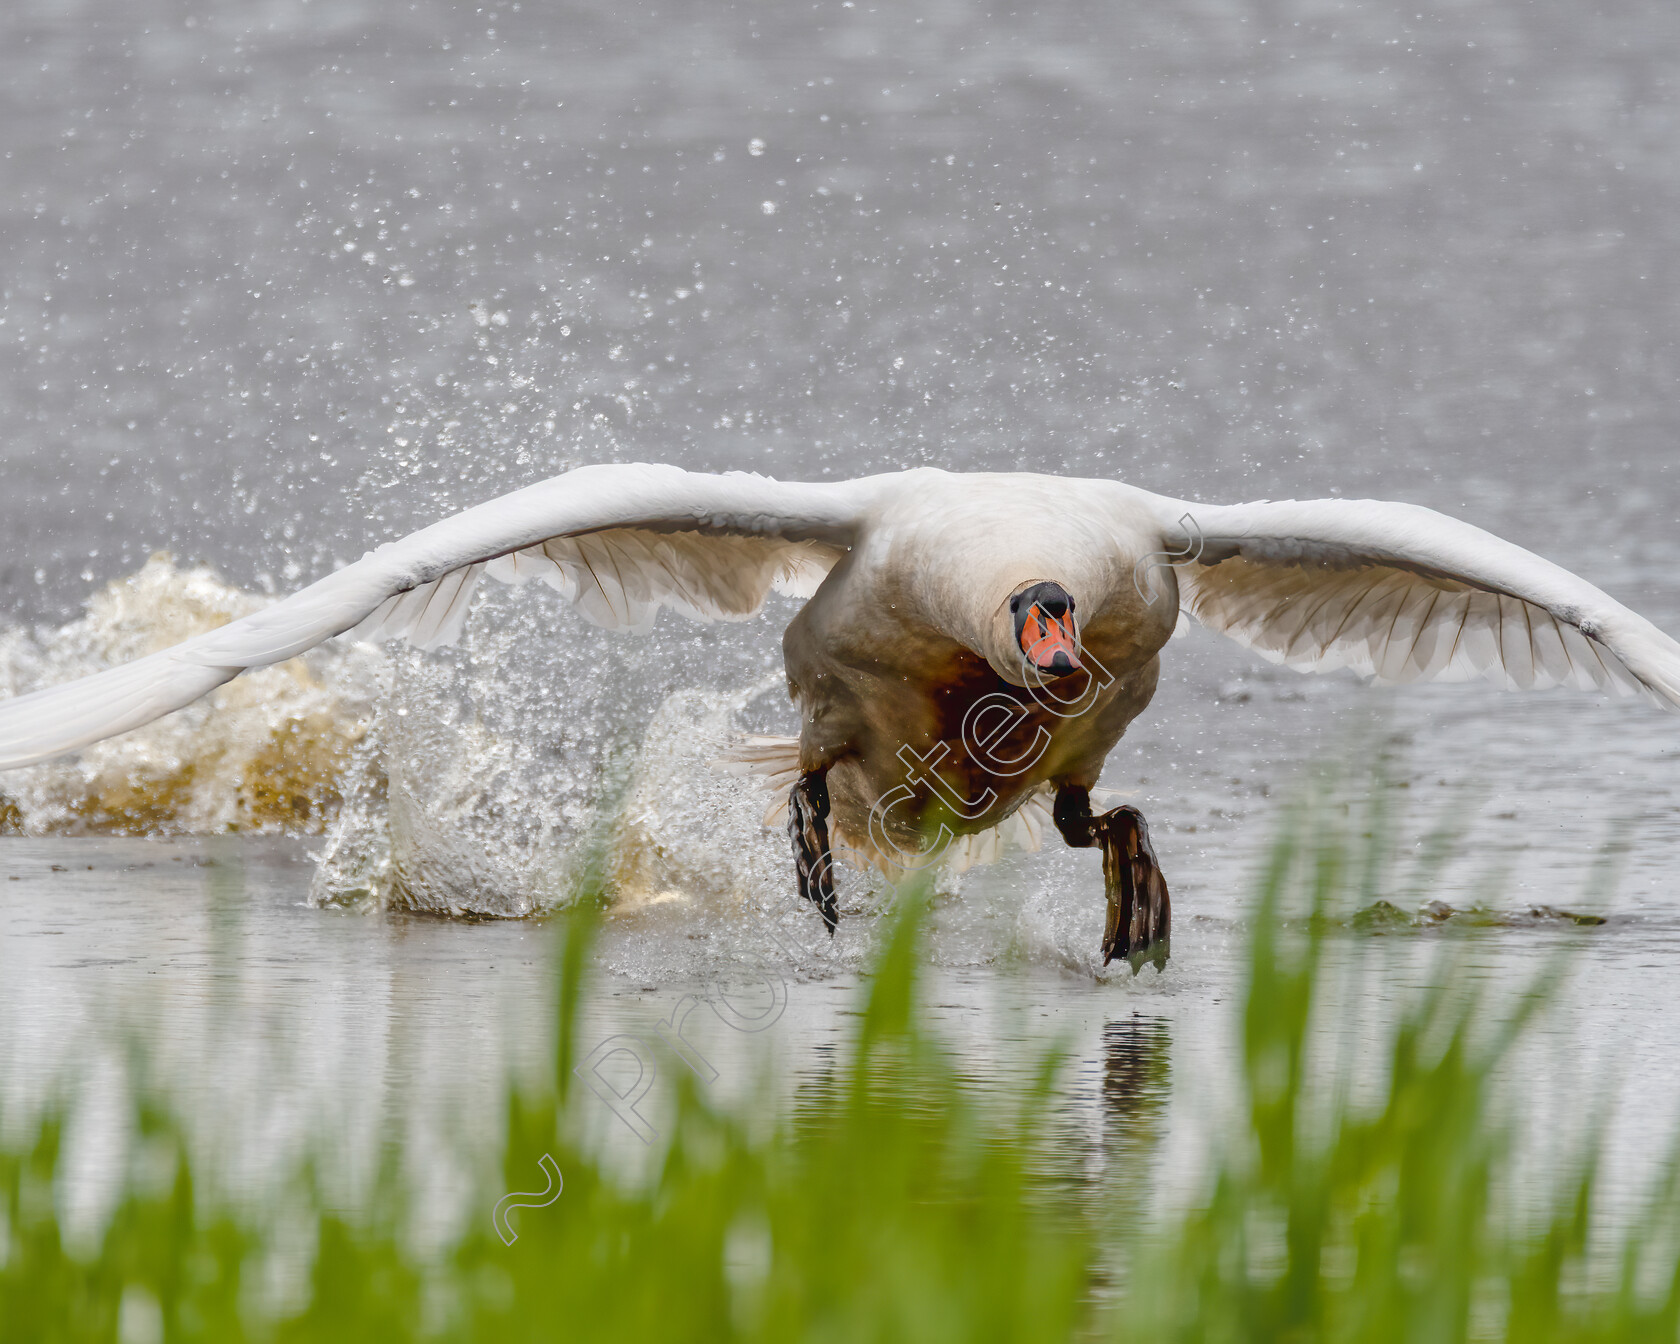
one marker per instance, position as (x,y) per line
(482,781)
(264,753)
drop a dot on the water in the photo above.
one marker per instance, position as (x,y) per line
(282,281)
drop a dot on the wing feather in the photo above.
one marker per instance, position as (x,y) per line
(429,617)
(618,542)
(1399,594)
(621,578)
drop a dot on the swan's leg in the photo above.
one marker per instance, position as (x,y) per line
(1139,924)
(807,824)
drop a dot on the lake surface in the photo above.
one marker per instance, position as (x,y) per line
(281,281)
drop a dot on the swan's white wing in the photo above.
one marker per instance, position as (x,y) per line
(619,578)
(617,541)
(1402,593)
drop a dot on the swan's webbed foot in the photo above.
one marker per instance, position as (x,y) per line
(1139,923)
(807,825)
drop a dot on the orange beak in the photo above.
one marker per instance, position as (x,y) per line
(1050,642)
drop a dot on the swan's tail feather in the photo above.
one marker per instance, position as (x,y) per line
(57,719)
(773,761)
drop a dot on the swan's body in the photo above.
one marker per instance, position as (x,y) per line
(925,700)
(909,633)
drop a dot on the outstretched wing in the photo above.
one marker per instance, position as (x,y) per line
(618,542)
(1402,593)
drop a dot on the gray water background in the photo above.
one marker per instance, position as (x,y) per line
(281,280)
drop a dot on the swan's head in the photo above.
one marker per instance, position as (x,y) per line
(1045,632)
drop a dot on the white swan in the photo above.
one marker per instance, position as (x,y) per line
(973,644)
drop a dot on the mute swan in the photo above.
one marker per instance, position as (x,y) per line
(973,646)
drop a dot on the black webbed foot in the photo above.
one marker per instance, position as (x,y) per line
(1139,923)
(807,825)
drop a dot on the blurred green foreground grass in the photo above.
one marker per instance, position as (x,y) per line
(888,1203)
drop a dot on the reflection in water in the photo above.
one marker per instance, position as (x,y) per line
(1136,1087)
